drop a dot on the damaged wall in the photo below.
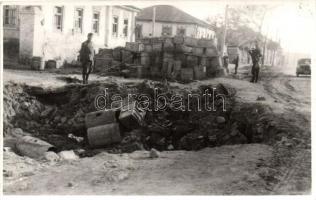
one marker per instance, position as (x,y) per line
(40,37)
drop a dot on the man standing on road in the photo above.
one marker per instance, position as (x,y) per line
(255,56)
(236,62)
(87,58)
(226,62)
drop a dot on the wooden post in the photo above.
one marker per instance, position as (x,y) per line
(154,22)
(225,30)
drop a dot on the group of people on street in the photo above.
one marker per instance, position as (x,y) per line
(255,54)
(87,52)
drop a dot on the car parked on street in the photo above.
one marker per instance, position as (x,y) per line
(303,66)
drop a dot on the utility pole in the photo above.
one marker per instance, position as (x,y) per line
(154,22)
(225,30)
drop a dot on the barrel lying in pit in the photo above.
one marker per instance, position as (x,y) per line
(104,135)
(100,118)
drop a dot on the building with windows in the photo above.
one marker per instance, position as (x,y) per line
(171,21)
(10,22)
(56,32)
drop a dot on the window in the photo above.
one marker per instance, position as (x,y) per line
(125,30)
(181,31)
(138,31)
(10,14)
(95,22)
(115,26)
(166,31)
(78,20)
(58,18)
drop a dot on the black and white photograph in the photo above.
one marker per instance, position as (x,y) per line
(157,97)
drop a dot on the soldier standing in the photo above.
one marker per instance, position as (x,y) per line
(87,58)
(226,62)
(255,56)
(236,62)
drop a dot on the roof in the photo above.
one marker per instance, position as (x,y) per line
(129,7)
(167,13)
(133,7)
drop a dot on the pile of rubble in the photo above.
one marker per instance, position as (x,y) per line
(178,58)
(67,119)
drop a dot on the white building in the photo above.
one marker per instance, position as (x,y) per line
(56,32)
(171,21)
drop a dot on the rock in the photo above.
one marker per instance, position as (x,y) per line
(7,149)
(288,144)
(117,175)
(51,156)
(9,142)
(192,141)
(56,118)
(234,130)
(154,153)
(212,138)
(28,173)
(68,155)
(78,139)
(170,147)
(283,140)
(220,119)
(70,184)
(180,128)
(131,147)
(80,152)
(261,98)
(63,119)
(17,132)
(47,111)
(7,173)
(157,140)
(25,105)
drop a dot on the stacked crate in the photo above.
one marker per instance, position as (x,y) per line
(183,58)
(104,58)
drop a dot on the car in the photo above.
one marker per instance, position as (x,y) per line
(303,66)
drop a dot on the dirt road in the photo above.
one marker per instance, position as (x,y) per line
(236,169)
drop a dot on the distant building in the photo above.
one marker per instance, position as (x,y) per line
(56,32)
(171,21)
(10,22)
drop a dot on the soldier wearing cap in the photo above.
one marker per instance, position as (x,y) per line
(87,58)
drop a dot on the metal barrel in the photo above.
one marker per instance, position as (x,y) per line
(100,118)
(104,135)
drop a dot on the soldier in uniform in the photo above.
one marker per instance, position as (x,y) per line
(87,58)
(236,62)
(226,63)
(255,56)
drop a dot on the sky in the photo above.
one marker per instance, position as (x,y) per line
(292,23)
